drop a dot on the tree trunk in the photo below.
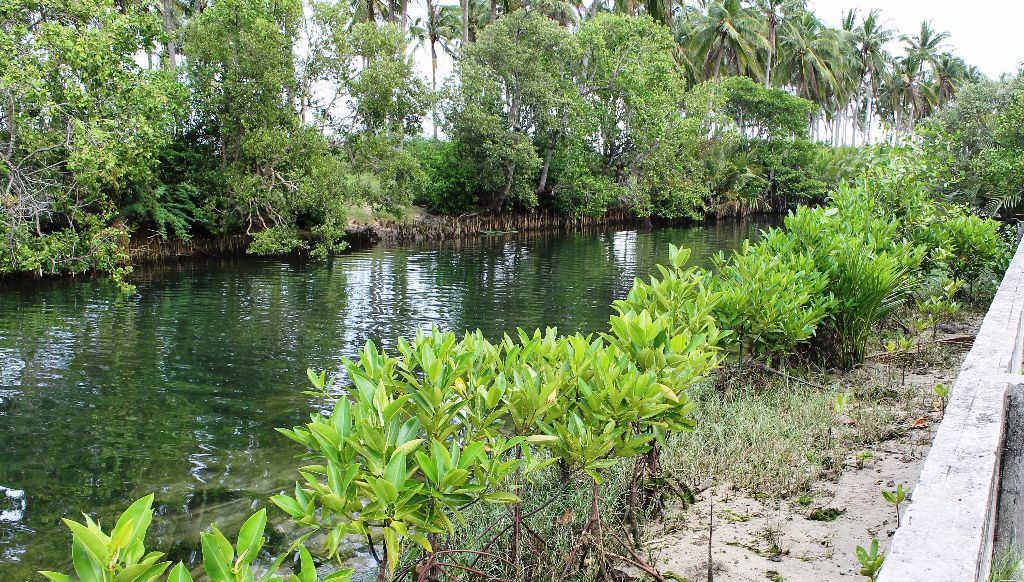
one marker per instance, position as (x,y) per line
(433,80)
(868,119)
(172,47)
(405,15)
(549,150)
(510,175)
(465,23)
(494,11)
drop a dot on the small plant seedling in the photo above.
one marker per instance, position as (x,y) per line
(896,497)
(842,401)
(921,325)
(805,500)
(942,391)
(863,457)
(870,561)
(940,308)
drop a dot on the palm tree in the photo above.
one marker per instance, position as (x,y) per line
(811,54)
(904,94)
(926,46)
(729,34)
(949,73)
(773,12)
(869,39)
(440,27)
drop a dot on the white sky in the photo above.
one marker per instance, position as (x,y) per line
(986,33)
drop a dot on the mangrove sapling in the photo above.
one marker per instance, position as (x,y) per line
(970,245)
(121,555)
(772,296)
(414,441)
(612,417)
(898,349)
(870,561)
(665,328)
(939,308)
(896,497)
(942,391)
(843,400)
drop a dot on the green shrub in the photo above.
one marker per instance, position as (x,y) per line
(448,187)
(870,270)
(121,555)
(772,296)
(966,246)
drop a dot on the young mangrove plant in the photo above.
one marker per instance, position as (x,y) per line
(665,328)
(412,441)
(870,561)
(942,391)
(772,296)
(121,555)
(896,497)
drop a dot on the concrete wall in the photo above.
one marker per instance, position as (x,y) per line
(949,528)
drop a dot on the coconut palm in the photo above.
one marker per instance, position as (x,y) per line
(729,34)
(869,39)
(440,27)
(904,96)
(687,54)
(810,51)
(949,74)
(926,45)
(773,12)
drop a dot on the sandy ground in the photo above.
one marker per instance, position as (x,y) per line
(777,540)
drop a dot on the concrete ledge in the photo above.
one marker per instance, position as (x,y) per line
(947,532)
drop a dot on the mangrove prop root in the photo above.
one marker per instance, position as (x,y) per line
(592,539)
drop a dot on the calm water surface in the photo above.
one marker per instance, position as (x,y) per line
(177,390)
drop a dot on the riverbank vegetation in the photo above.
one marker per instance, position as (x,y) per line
(280,119)
(542,456)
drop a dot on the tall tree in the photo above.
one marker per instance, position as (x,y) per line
(870,38)
(926,45)
(514,82)
(440,27)
(729,34)
(773,12)
(81,128)
(812,53)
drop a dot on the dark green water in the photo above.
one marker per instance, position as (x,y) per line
(177,390)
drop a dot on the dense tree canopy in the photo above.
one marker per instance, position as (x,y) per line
(279,119)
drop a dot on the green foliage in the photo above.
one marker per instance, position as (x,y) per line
(448,187)
(870,561)
(970,246)
(580,187)
(870,270)
(280,177)
(121,555)
(773,297)
(974,146)
(515,86)
(633,97)
(769,113)
(81,130)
